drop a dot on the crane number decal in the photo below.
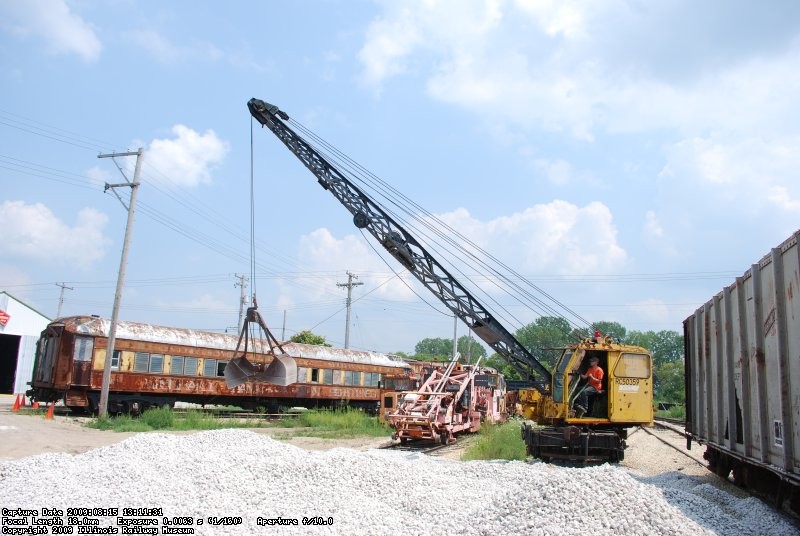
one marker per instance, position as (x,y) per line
(627,384)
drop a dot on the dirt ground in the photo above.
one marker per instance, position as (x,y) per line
(27,435)
(649,452)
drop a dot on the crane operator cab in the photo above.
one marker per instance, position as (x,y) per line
(601,380)
(589,393)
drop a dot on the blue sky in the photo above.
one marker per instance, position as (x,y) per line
(631,158)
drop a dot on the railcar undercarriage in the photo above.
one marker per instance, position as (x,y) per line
(574,444)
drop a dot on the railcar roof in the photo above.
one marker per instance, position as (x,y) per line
(99,327)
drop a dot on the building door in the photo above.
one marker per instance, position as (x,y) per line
(9,353)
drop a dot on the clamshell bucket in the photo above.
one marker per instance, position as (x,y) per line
(282,370)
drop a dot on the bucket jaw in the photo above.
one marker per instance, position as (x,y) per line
(282,370)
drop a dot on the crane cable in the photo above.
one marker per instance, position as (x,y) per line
(405,204)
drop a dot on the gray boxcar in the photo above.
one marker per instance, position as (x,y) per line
(743,377)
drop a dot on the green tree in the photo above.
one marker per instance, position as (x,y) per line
(614,330)
(666,346)
(470,347)
(502,366)
(545,337)
(307,337)
(667,349)
(434,347)
(441,349)
(670,386)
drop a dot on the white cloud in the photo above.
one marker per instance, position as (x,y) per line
(55,23)
(557,238)
(780,196)
(34,232)
(165,51)
(554,238)
(753,171)
(570,66)
(204,302)
(321,251)
(409,27)
(98,176)
(558,172)
(11,277)
(557,16)
(652,227)
(187,159)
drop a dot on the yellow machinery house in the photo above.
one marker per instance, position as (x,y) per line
(625,400)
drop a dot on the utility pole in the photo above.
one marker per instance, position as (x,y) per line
(350,284)
(61,298)
(455,335)
(112,330)
(283,330)
(243,300)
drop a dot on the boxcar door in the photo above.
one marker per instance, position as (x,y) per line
(82,361)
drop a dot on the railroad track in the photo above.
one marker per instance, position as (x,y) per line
(429,447)
(675,426)
(423,447)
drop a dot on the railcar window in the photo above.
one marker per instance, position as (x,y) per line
(633,366)
(83,349)
(370,379)
(338,377)
(327,376)
(190,366)
(356,378)
(348,377)
(314,375)
(302,374)
(115,359)
(156,362)
(141,361)
(209,367)
(221,364)
(176,366)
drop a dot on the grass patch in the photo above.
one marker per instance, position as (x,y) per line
(166,419)
(336,423)
(314,423)
(675,412)
(497,442)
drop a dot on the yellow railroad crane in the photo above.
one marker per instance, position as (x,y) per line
(624,399)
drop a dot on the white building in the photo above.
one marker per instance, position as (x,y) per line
(20,327)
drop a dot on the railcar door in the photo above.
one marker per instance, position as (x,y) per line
(82,361)
(47,349)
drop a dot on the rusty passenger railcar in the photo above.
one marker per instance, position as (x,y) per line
(743,377)
(157,366)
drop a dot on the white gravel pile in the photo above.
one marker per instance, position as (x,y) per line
(241,473)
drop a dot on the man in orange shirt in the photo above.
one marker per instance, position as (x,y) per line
(594,375)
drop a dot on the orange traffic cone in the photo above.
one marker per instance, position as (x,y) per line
(35,404)
(15,407)
(22,401)
(49,414)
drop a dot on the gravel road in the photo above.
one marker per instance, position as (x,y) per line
(224,475)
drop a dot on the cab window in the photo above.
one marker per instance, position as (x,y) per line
(633,366)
